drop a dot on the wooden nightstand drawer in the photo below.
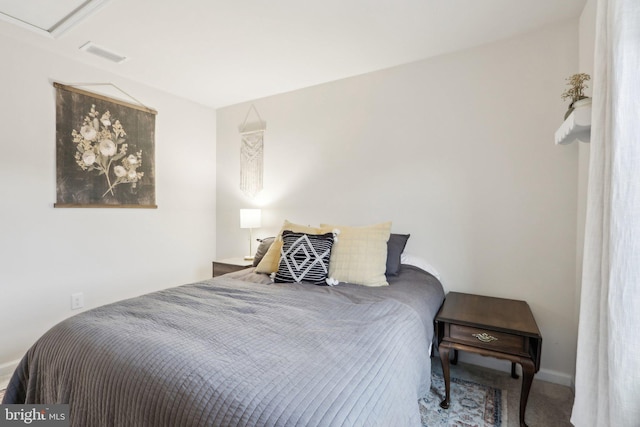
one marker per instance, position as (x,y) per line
(489,339)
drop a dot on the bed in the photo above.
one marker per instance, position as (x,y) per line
(239,350)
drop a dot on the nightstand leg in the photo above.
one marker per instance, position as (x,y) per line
(444,358)
(528,370)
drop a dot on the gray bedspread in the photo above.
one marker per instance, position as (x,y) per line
(236,351)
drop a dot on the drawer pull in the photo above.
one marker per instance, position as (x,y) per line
(485,337)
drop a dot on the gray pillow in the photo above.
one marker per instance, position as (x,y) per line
(395,246)
(264,246)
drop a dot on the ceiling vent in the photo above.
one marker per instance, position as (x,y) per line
(100,51)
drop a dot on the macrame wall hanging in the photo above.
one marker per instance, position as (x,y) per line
(251,154)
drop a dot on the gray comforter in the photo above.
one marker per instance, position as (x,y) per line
(236,351)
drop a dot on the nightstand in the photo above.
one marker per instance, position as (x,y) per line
(496,327)
(230,265)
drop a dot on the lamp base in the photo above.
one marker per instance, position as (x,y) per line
(248,258)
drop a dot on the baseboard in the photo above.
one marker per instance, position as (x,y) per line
(505,366)
(556,378)
(6,371)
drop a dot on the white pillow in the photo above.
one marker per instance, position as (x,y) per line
(416,261)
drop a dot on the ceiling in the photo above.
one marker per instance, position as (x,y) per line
(222,52)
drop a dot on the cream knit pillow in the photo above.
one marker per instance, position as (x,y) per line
(359,255)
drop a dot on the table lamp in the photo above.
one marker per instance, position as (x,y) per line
(250,218)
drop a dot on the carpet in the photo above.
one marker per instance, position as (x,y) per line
(472,404)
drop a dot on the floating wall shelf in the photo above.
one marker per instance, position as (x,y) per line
(578,125)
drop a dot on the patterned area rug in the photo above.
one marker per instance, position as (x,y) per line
(472,404)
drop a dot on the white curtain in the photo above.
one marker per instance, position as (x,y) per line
(608,359)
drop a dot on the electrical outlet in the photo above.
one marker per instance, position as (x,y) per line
(77,301)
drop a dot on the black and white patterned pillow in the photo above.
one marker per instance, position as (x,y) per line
(304,258)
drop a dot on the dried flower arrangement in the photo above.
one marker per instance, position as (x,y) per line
(577,83)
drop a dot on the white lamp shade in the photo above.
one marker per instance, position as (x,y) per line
(250,218)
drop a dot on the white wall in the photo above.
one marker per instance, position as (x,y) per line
(108,254)
(457,150)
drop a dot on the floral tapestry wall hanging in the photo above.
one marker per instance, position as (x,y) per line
(251,154)
(105,151)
